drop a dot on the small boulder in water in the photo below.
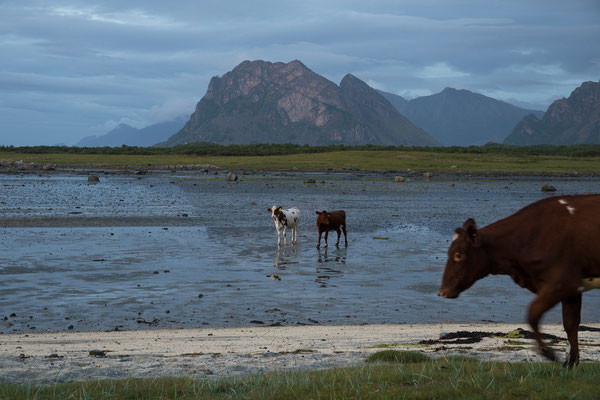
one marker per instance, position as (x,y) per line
(231,177)
(548,188)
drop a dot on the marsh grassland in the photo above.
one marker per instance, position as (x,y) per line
(371,160)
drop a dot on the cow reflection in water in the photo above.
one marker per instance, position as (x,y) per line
(328,271)
(285,256)
(338,255)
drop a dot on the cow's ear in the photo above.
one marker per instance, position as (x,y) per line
(328,215)
(470,227)
(457,233)
(318,213)
(280,208)
(269,210)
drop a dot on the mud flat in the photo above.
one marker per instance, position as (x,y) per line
(74,356)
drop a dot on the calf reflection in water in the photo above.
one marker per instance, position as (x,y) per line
(339,255)
(326,272)
(285,257)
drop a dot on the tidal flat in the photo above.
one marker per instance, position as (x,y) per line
(189,250)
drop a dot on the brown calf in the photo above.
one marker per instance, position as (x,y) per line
(549,247)
(331,221)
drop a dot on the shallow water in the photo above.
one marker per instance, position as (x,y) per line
(186,251)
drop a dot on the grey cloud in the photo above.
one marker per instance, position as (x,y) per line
(76,65)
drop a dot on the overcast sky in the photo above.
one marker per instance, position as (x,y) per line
(70,69)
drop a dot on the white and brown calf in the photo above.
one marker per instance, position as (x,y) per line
(283,219)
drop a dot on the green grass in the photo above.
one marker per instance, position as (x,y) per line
(372,160)
(404,357)
(455,377)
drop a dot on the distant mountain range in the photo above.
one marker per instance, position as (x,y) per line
(130,136)
(460,117)
(575,120)
(264,102)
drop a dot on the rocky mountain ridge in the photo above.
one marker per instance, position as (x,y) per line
(264,102)
(572,120)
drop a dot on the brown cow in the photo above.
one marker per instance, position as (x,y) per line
(549,247)
(331,221)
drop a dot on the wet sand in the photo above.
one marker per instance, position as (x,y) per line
(62,357)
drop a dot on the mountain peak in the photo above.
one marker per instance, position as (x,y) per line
(574,120)
(264,102)
(459,117)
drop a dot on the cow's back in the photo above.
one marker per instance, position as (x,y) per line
(337,218)
(563,228)
(293,216)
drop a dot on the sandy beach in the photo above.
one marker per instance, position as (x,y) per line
(74,356)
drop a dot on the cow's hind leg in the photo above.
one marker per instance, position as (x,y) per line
(571,312)
(345,234)
(338,239)
(545,300)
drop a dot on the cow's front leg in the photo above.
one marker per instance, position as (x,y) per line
(326,234)
(319,242)
(571,313)
(544,301)
(278,237)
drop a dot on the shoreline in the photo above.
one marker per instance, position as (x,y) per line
(53,357)
(49,169)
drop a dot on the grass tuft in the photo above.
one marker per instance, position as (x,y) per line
(396,356)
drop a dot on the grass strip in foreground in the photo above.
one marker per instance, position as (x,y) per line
(410,376)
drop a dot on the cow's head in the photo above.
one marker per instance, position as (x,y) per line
(274,211)
(322,218)
(466,261)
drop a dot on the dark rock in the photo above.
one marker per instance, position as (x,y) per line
(231,177)
(399,179)
(309,181)
(255,321)
(97,353)
(93,178)
(548,188)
